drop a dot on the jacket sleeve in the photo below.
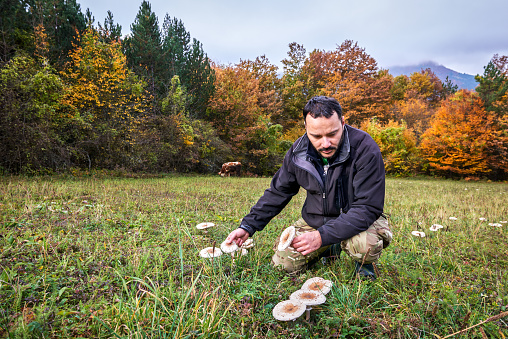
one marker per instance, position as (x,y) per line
(368,193)
(282,189)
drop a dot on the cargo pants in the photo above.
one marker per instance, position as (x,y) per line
(364,247)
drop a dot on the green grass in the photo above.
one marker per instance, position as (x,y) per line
(118,258)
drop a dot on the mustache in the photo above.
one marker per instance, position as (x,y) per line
(327,149)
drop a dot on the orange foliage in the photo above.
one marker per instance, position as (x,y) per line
(351,76)
(415,112)
(460,135)
(234,107)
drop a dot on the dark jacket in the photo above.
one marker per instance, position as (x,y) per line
(341,203)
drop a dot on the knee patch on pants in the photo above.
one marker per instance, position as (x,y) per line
(367,246)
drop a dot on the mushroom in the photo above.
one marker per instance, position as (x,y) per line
(286,238)
(249,243)
(308,298)
(210,252)
(288,310)
(228,248)
(204,225)
(318,284)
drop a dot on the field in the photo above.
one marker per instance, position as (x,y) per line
(118,258)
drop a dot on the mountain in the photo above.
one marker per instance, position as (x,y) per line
(464,81)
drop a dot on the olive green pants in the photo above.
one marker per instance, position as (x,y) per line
(364,247)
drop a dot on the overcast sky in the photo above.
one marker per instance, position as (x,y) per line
(461,35)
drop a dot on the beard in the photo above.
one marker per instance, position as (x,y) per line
(334,149)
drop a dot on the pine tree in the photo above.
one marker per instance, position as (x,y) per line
(144,52)
(187,60)
(110,31)
(493,87)
(63,22)
(15,28)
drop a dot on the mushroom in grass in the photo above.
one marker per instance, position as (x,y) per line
(204,226)
(249,243)
(210,252)
(308,298)
(288,310)
(286,238)
(228,248)
(318,284)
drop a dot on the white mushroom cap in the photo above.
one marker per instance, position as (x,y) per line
(210,252)
(308,297)
(249,243)
(286,238)
(228,248)
(204,225)
(288,310)
(318,284)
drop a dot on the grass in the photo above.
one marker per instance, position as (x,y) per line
(118,258)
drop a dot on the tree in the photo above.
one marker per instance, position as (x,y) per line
(269,99)
(492,88)
(458,141)
(187,59)
(397,144)
(351,76)
(415,113)
(144,52)
(63,22)
(15,29)
(106,96)
(240,120)
(32,120)
(425,85)
(110,31)
(294,90)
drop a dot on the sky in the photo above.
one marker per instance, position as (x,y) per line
(461,35)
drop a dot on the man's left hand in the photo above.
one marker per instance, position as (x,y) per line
(307,243)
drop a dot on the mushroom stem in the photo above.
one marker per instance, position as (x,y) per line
(307,313)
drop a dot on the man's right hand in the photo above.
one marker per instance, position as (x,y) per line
(238,236)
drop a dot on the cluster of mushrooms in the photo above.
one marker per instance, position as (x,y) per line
(312,292)
(213,252)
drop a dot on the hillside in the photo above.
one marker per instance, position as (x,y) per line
(464,81)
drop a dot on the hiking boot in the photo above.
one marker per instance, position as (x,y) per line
(365,271)
(331,254)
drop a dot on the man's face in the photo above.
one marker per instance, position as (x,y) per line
(325,133)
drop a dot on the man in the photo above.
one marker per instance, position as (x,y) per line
(342,170)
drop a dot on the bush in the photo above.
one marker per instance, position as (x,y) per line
(398,146)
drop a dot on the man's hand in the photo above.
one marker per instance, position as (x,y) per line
(307,243)
(238,236)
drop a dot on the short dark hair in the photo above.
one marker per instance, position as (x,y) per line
(322,106)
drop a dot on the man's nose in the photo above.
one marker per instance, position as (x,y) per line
(326,142)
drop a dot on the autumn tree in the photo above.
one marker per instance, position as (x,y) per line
(106,96)
(351,76)
(461,133)
(269,100)
(241,122)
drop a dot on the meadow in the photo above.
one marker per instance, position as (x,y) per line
(105,257)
